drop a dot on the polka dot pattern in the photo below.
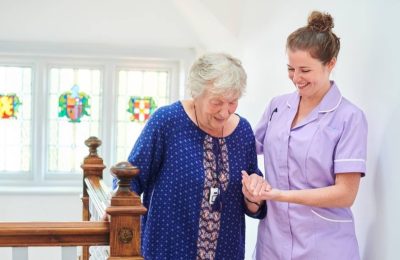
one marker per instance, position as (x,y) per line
(170,154)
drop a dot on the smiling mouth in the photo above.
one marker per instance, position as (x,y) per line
(302,86)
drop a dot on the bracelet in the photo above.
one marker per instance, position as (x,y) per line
(258,204)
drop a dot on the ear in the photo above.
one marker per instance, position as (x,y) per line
(331,64)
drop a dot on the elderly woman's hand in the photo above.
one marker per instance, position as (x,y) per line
(254,186)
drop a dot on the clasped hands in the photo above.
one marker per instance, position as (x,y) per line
(256,189)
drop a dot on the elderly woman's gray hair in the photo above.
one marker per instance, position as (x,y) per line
(224,72)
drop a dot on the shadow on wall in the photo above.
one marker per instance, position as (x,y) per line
(383,232)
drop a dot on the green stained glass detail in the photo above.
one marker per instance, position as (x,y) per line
(9,105)
(73,104)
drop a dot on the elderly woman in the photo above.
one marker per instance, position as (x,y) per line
(191,154)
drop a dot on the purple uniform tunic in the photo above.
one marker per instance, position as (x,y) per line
(330,140)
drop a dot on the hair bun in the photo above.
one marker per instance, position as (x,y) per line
(320,22)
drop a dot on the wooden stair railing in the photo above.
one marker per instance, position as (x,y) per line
(121,230)
(25,234)
(123,206)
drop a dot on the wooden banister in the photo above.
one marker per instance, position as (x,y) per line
(125,211)
(93,167)
(24,234)
(124,206)
(121,232)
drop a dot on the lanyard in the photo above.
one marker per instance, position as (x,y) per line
(216,192)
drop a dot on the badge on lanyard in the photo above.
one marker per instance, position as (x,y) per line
(214,192)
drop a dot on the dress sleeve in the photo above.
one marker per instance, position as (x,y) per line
(351,150)
(260,214)
(147,153)
(253,169)
(261,129)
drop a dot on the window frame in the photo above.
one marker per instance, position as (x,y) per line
(39,179)
(68,178)
(173,92)
(22,177)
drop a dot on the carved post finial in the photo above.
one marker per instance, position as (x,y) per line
(124,172)
(93,143)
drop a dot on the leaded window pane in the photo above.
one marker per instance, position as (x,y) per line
(137,83)
(15,126)
(67,133)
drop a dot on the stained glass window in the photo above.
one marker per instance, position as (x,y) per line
(73,104)
(49,105)
(154,84)
(15,122)
(9,106)
(66,140)
(141,108)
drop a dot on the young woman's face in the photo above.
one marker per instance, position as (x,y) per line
(308,74)
(215,110)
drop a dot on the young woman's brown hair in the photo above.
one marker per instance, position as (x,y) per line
(317,38)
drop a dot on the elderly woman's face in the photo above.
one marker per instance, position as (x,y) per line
(215,110)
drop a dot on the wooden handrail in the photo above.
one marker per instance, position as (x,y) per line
(121,232)
(124,206)
(24,234)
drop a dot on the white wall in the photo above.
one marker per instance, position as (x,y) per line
(256,31)
(43,207)
(367,74)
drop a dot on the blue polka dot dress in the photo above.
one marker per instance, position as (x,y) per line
(179,163)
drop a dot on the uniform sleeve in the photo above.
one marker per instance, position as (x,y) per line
(351,150)
(261,129)
(147,153)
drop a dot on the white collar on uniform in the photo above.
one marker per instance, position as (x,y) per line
(329,102)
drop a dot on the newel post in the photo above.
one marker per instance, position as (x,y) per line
(125,211)
(92,165)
